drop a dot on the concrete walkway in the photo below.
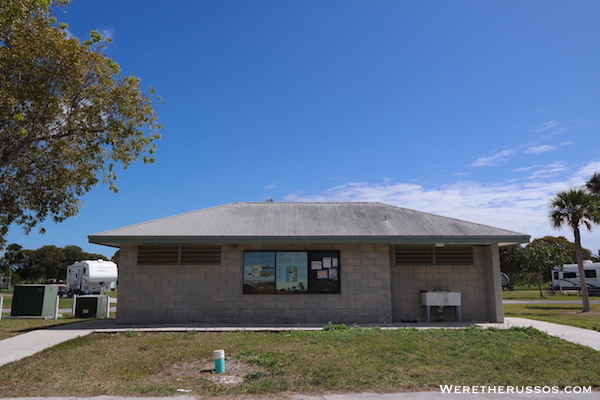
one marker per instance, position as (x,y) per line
(27,344)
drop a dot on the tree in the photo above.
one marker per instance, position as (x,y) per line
(67,116)
(574,208)
(540,257)
(510,262)
(76,253)
(48,263)
(563,241)
(13,258)
(44,264)
(593,184)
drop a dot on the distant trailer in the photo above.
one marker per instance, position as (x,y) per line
(91,277)
(4,281)
(567,277)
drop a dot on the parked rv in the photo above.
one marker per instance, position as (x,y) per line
(567,277)
(91,277)
(506,282)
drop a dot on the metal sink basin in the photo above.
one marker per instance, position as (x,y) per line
(441,299)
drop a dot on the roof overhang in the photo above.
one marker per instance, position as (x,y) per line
(117,241)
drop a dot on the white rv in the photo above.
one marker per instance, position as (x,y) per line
(91,277)
(567,277)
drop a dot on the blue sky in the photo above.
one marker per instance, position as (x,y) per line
(479,110)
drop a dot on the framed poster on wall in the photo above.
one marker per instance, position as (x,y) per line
(292,273)
(259,272)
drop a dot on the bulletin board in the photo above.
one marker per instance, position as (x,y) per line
(324,271)
(291,272)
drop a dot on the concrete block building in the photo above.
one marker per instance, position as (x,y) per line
(272,263)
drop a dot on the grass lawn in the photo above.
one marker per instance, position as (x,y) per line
(566,314)
(535,295)
(350,360)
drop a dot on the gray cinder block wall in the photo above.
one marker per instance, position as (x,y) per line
(373,291)
(212,294)
(478,283)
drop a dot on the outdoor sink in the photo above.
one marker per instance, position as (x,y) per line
(441,299)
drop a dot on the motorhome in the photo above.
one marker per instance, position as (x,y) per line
(91,277)
(567,277)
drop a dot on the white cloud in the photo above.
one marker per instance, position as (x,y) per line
(540,149)
(545,126)
(525,168)
(549,128)
(519,206)
(549,171)
(493,160)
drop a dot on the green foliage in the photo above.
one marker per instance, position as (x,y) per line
(540,257)
(510,263)
(336,327)
(44,264)
(563,241)
(534,262)
(66,116)
(574,208)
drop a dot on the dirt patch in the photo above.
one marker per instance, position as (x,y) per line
(235,374)
(582,313)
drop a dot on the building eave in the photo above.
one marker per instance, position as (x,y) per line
(116,241)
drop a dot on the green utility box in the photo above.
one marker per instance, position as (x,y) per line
(35,301)
(91,306)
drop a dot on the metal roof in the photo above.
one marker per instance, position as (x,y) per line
(273,222)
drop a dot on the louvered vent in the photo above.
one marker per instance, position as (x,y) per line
(454,255)
(153,255)
(204,255)
(174,255)
(430,255)
(414,255)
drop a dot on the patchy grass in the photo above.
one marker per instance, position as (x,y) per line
(566,314)
(344,360)
(14,327)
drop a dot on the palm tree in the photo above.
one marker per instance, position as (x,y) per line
(593,185)
(576,207)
